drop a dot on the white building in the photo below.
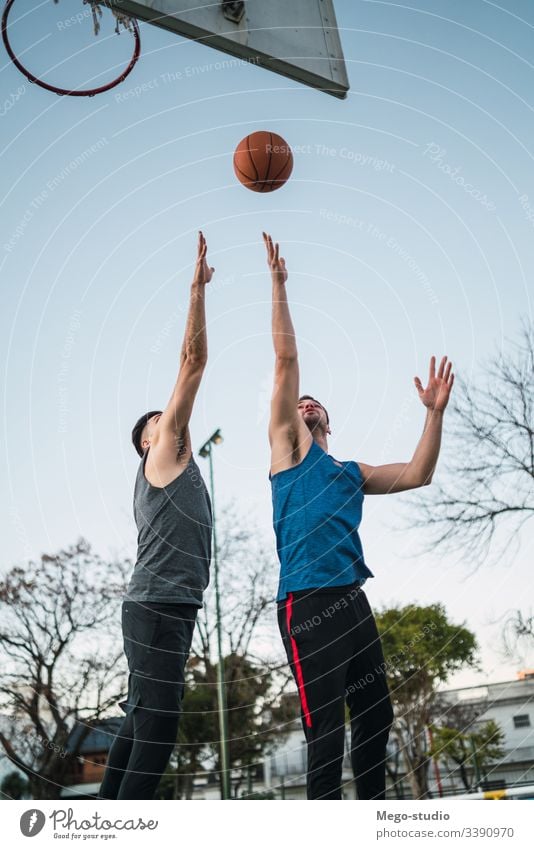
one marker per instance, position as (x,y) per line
(511,705)
(285,769)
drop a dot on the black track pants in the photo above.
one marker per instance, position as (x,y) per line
(139,755)
(157,639)
(334,651)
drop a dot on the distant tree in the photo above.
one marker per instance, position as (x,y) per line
(14,786)
(485,493)
(196,730)
(394,769)
(487,484)
(57,668)
(472,750)
(422,649)
(519,634)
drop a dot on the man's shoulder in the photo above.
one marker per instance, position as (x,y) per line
(290,454)
(163,464)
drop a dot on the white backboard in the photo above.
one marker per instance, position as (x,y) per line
(296,38)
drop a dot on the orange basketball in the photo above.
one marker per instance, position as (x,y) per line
(263,161)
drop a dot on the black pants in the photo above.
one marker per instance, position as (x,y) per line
(157,640)
(334,651)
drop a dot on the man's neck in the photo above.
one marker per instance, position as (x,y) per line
(321,441)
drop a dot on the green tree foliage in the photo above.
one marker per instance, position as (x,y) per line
(422,649)
(14,786)
(472,750)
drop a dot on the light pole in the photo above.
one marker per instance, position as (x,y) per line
(206,451)
(435,762)
(478,777)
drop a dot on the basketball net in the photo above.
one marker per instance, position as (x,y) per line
(96,8)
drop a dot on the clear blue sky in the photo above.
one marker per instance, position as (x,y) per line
(391,258)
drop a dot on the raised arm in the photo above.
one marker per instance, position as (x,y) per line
(397,477)
(171,443)
(287,432)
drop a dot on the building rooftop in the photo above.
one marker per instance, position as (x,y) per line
(99,738)
(520,687)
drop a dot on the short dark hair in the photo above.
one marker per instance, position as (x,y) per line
(138,428)
(311,398)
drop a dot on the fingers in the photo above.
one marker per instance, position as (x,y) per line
(418,385)
(203,273)
(275,261)
(447,372)
(442,367)
(269,245)
(432,369)
(202,245)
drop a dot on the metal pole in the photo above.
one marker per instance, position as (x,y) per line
(475,760)
(221,684)
(435,762)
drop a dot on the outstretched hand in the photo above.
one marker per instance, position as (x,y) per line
(276,263)
(436,395)
(203,272)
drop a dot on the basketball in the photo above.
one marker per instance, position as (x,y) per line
(263,161)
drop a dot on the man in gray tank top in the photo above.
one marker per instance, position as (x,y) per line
(172,511)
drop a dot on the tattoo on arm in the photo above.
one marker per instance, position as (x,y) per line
(182,443)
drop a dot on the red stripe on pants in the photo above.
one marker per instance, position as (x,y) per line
(296,661)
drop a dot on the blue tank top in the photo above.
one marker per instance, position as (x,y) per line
(317,510)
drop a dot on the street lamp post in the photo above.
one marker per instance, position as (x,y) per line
(206,451)
(435,762)
(478,776)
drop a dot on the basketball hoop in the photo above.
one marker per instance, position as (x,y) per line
(86,92)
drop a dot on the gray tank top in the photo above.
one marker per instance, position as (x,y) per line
(174,538)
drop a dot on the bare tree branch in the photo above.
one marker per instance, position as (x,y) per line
(53,675)
(486,490)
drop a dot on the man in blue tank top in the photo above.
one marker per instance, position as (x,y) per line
(173,515)
(327,627)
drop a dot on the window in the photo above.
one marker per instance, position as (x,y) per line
(522,720)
